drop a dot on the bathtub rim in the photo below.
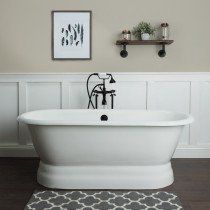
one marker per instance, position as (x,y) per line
(187,119)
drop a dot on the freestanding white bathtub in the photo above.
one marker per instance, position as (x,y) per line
(131,150)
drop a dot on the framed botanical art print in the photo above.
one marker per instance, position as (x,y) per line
(71,35)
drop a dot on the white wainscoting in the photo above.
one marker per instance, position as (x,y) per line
(181,92)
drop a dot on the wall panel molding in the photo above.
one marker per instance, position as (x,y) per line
(22,102)
(174,96)
(187,92)
(65,103)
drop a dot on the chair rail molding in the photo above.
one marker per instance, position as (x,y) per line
(187,92)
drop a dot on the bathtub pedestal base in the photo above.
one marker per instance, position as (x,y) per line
(105,177)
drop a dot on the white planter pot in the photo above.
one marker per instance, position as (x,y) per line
(145,36)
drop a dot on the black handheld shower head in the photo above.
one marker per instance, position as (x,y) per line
(112,80)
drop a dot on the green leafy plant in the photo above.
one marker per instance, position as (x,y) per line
(141,28)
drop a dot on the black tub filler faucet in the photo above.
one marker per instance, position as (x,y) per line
(100,89)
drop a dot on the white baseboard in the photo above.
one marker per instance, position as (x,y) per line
(192,152)
(28,151)
(17,151)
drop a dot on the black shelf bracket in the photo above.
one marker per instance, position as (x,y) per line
(162,52)
(124,52)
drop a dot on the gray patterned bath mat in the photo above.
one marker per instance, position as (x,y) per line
(103,200)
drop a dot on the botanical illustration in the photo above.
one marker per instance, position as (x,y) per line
(72,35)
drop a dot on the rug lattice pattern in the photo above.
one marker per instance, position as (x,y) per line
(103,200)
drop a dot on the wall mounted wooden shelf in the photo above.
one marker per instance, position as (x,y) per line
(161,53)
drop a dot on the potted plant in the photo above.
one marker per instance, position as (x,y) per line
(143,31)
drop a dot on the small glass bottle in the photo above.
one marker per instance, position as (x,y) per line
(164,31)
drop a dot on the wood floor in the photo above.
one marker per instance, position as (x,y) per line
(18,181)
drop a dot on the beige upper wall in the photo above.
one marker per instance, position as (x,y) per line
(25,35)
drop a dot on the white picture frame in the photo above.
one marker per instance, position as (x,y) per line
(71,35)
